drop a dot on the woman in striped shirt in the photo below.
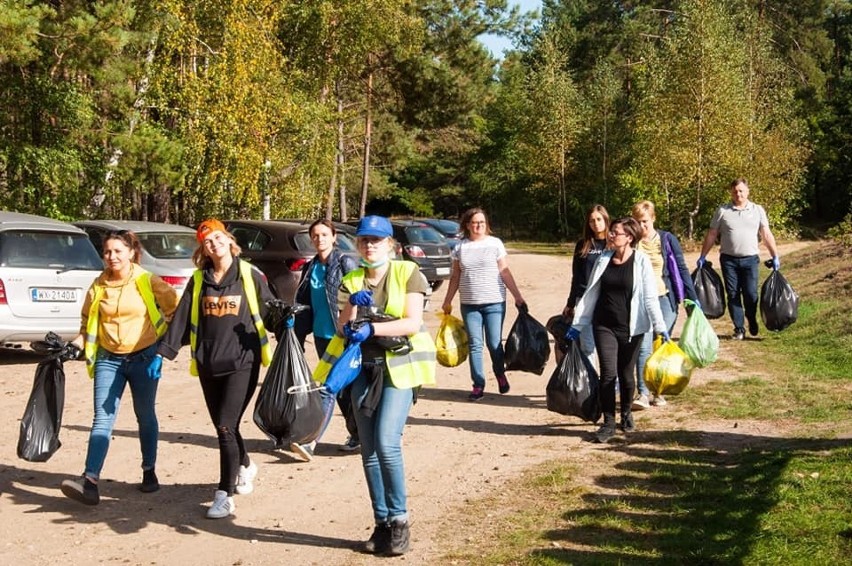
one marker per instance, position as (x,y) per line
(481,275)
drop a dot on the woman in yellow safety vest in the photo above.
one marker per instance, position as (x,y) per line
(384,391)
(125,312)
(222,310)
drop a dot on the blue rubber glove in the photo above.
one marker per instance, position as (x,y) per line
(572,334)
(700,262)
(361,299)
(665,336)
(358,335)
(776,263)
(290,322)
(155,367)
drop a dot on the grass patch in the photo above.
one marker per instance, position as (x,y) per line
(675,499)
(543,248)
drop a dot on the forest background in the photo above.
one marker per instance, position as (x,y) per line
(171,110)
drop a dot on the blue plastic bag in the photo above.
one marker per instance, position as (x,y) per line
(345,369)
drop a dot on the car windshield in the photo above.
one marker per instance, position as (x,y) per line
(424,235)
(168,245)
(48,250)
(446,227)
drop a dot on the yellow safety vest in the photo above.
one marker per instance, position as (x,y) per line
(407,370)
(254,310)
(143,283)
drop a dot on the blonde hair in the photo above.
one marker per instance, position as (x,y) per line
(644,207)
(201,259)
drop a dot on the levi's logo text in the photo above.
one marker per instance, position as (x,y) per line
(221,306)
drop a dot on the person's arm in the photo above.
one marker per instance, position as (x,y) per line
(649,295)
(578,276)
(506,274)
(688,288)
(769,240)
(452,287)
(709,240)
(171,342)
(167,297)
(409,324)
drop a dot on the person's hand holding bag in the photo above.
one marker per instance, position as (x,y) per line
(155,367)
(358,334)
(572,334)
(361,298)
(665,336)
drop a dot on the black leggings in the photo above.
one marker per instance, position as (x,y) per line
(617,356)
(227,397)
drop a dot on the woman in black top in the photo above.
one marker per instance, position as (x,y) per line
(586,253)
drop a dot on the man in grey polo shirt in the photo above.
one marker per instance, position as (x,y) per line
(738,224)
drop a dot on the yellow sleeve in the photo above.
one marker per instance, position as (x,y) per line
(166,296)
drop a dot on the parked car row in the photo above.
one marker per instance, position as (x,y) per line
(46,266)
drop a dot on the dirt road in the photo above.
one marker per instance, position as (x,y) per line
(299,513)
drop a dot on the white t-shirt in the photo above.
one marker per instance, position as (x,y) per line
(480,282)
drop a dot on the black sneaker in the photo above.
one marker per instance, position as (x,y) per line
(150,484)
(606,431)
(739,333)
(82,489)
(399,540)
(627,425)
(380,541)
(753,328)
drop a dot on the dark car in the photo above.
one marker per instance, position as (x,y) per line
(450,229)
(279,249)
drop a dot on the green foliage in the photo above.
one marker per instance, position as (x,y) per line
(842,233)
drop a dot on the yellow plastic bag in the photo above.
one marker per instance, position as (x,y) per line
(668,369)
(451,342)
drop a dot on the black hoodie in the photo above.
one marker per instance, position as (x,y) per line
(227,338)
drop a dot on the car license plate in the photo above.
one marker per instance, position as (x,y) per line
(443,271)
(54,295)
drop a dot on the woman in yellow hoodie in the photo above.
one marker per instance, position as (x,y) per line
(124,314)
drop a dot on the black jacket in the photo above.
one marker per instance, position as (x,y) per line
(227,337)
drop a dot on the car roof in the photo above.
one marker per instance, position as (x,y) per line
(278,226)
(22,221)
(139,226)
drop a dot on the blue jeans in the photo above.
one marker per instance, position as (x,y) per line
(647,346)
(490,317)
(381,447)
(740,275)
(112,373)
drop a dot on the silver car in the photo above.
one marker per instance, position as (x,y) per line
(46,267)
(166,248)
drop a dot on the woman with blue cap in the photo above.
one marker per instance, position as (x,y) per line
(384,391)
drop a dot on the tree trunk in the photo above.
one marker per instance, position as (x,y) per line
(341,156)
(368,132)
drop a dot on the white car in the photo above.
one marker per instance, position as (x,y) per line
(166,248)
(46,268)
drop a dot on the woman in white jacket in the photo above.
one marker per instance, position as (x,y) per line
(621,305)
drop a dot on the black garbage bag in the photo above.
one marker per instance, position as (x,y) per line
(779,303)
(527,347)
(399,345)
(38,439)
(573,387)
(558,326)
(710,290)
(289,408)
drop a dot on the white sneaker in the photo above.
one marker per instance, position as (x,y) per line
(304,451)
(659,401)
(222,507)
(640,403)
(245,479)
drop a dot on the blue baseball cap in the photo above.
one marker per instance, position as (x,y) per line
(377,226)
